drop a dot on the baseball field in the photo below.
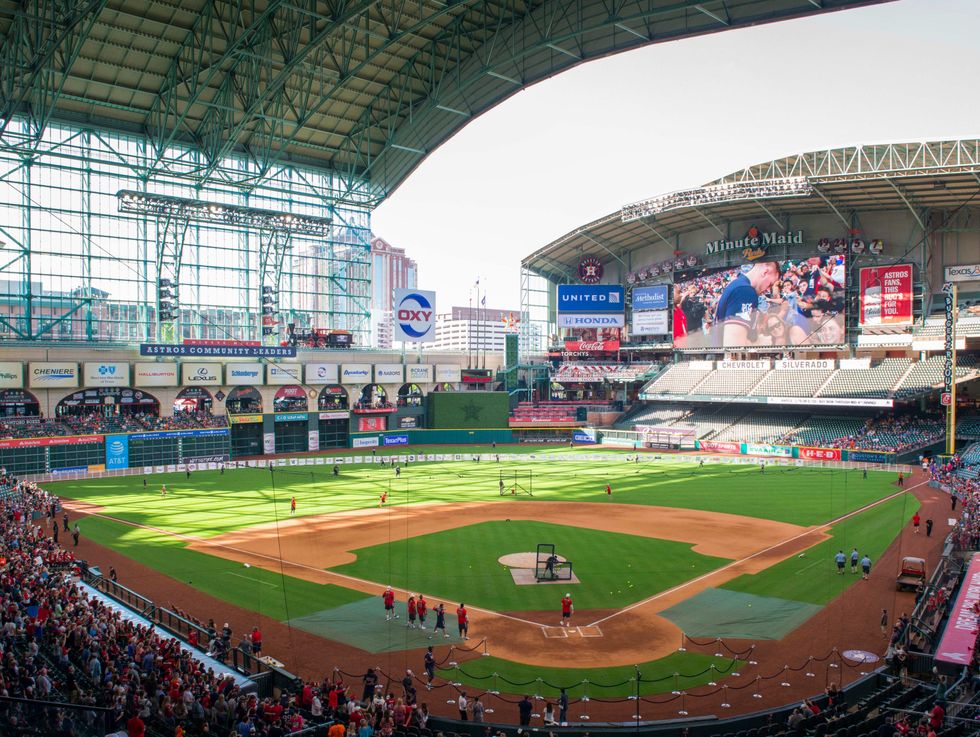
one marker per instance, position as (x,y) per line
(677,549)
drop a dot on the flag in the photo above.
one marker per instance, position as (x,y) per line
(484,300)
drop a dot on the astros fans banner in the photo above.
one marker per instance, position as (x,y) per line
(886,295)
(415,315)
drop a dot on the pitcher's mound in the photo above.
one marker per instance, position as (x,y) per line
(521,567)
(522,560)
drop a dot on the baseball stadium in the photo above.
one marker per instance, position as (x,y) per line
(230,507)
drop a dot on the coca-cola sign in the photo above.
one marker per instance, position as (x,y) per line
(592,346)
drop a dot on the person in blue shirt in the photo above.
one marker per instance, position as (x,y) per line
(738,305)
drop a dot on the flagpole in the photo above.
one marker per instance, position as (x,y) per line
(469,330)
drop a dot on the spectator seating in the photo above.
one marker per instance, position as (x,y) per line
(878,381)
(762,426)
(709,421)
(822,430)
(678,379)
(584,372)
(928,374)
(730,383)
(632,372)
(542,414)
(790,383)
(969,428)
(650,414)
(96,424)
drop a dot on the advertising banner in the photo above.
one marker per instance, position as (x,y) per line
(719,447)
(371,424)
(155,374)
(292,417)
(820,454)
(758,449)
(965,272)
(419,373)
(829,401)
(815,364)
(869,456)
(200,374)
(395,439)
(244,419)
(313,440)
(105,374)
(744,365)
(244,374)
(415,315)
(179,434)
(591,298)
(355,373)
(116,451)
(269,443)
(886,295)
(960,635)
(321,373)
(448,373)
(45,375)
(279,374)
(44,442)
(340,414)
(592,346)
(370,442)
(649,298)
(11,375)
(649,322)
(591,320)
(218,351)
(765,303)
(407,423)
(389,373)
(584,435)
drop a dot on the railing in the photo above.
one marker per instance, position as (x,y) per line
(267,677)
(43,718)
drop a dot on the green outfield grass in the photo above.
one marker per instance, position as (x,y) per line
(210,503)
(656,677)
(813,578)
(461,565)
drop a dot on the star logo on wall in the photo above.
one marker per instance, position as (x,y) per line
(471,411)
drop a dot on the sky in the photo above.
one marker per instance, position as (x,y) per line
(670,116)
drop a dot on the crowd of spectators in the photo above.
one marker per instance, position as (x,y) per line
(59,644)
(893,434)
(98,424)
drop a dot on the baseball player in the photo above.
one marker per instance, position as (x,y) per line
(566,610)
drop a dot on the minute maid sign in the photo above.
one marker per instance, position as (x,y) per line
(754,243)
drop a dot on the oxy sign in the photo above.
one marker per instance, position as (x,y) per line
(415,315)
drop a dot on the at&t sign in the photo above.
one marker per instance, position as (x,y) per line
(415,315)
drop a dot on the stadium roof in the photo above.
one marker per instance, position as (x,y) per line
(364,88)
(842,181)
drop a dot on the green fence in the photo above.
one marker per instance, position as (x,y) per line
(457,436)
(468,410)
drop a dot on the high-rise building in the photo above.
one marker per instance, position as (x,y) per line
(390,269)
(474,329)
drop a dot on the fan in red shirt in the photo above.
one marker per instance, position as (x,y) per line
(566,610)
(256,638)
(412,611)
(135,726)
(422,607)
(916,519)
(463,621)
(389,600)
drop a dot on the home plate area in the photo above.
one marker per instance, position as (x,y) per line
(589,630)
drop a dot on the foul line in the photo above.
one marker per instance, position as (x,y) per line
(756,554)
(264,583)
(280,561)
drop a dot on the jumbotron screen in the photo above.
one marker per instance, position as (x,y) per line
(764,303)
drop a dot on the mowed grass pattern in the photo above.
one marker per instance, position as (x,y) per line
(209,503)
(462,565)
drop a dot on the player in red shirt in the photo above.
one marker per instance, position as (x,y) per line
(566,610)
(463,621)
(389,600)
(384,498)
(608,490)
(422,607)
(292,506)
(916,519)
(412,611)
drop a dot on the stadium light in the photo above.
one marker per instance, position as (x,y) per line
(212,212)
(715,193)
